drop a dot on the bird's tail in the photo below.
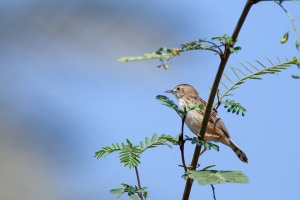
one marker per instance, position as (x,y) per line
(238,151)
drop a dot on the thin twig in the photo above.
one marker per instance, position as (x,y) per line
(224,58)
(139,182)
(181,144)
(209,49)
(202,152)
(216,46)
(291,18)
(213,189)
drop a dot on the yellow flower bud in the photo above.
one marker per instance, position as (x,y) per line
(175,52)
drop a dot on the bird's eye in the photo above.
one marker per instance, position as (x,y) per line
(178,88)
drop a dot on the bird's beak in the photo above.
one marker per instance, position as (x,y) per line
(169,91)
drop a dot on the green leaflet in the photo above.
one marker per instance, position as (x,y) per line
(156,141)
(214,176)
(116,191)
(153,55)
(198,106)
(234,107)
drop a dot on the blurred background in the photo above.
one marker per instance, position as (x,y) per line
(64,96)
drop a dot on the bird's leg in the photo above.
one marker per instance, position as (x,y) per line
(198,165)
(191,167)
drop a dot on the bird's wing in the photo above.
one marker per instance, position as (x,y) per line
(217,121)
(214,120)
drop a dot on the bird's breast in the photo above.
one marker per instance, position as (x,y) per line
(194,120)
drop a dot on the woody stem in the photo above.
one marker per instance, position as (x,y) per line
(224,58)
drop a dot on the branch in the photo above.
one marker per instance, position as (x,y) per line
(224,59)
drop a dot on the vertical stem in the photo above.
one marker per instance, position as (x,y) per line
(189,182)
(139,182)
(224,58)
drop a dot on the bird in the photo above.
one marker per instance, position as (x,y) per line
(216,130)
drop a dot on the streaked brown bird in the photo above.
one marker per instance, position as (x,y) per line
(216,130)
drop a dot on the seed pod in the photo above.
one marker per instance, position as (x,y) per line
(285,38)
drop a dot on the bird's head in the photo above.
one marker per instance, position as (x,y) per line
(183,90)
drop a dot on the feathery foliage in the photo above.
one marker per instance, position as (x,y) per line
(207,145)
(161,53)
(130,154)
(200,44)
(167,102)
(234,107)
(109,149)
(250,71)
(156,141)
(130,190)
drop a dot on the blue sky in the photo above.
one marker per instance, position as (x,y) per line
(64,96)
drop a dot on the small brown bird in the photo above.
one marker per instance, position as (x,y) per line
(216,130)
